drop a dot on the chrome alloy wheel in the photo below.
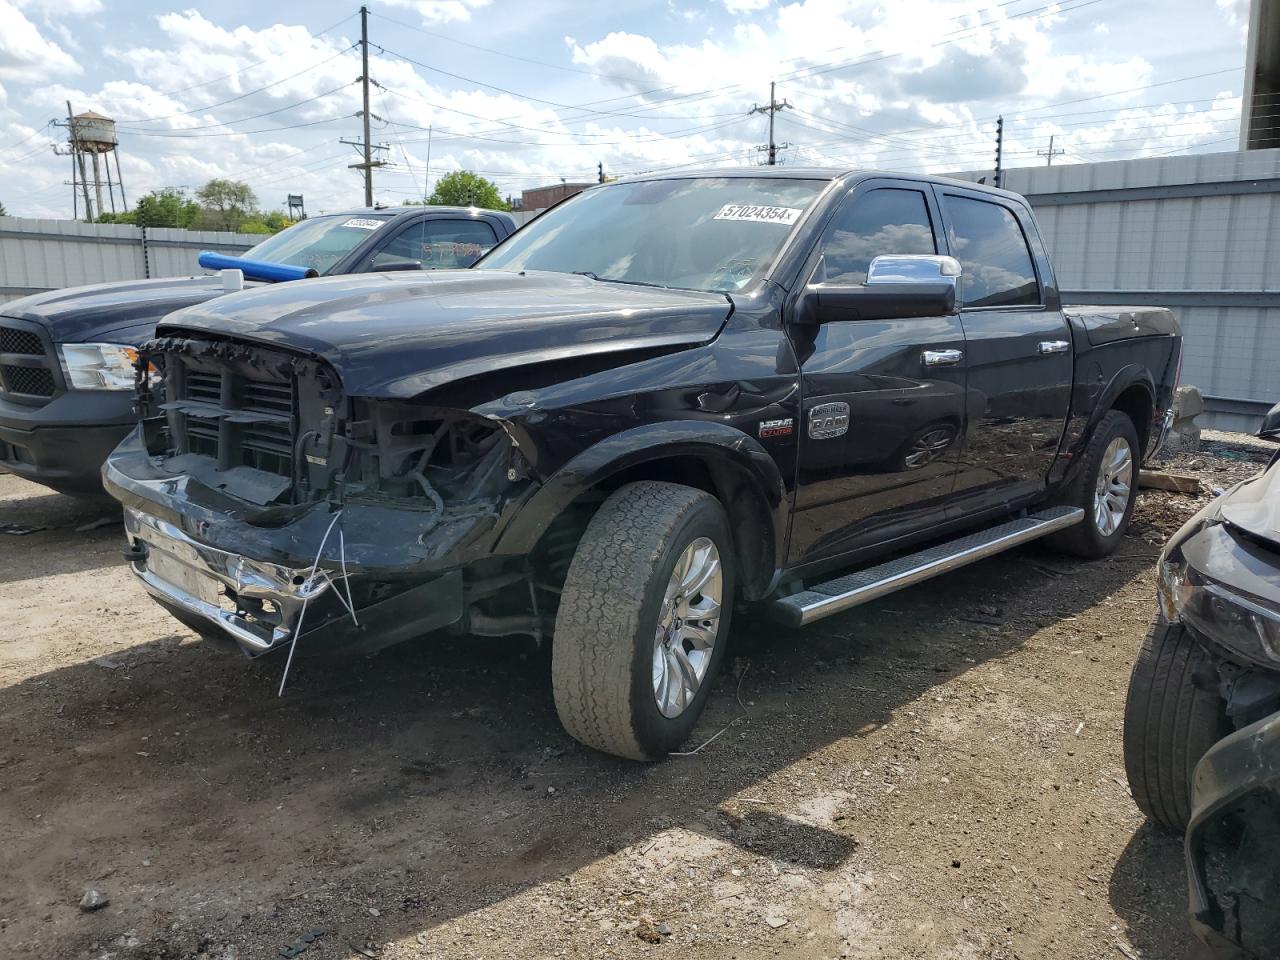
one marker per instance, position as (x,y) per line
(687,627)
(1115,483)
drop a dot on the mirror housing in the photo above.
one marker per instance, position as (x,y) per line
(397,266)
(897,287)
(1270,429)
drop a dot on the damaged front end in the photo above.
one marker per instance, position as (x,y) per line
(255,489)
(1233,845)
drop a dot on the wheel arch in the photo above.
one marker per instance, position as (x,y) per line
(709,456)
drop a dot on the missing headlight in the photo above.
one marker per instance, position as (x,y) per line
(439,457)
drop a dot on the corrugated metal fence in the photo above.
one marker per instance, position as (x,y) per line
(38,255)
(1199,234)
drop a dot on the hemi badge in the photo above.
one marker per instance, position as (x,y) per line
(318,461)
(776,428)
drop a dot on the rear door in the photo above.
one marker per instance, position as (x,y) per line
(883,399)
(437,243)
(1018,351)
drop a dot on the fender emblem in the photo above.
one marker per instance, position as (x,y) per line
(829,420)
(776,428)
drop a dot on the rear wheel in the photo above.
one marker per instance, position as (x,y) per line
(643,620)
(1105,486)
(1172,716)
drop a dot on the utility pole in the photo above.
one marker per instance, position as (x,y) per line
(774,106)
(365,146)
(999,151)
(1050,153)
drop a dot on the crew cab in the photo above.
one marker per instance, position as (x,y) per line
(664,398)
(67,356)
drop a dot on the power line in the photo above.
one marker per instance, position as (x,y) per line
(256,116)
(223,103)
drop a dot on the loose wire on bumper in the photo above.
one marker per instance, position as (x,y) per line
(347,601)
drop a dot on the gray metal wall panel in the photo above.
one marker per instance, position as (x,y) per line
(1217,242)
(50,254)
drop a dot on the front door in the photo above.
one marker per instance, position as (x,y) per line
(883,400)
(1018,351)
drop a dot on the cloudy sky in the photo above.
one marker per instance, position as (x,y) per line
(529,93)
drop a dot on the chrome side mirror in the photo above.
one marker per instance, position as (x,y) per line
(914,268)
(897,287)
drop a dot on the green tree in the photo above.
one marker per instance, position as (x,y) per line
(165,208)
(225,204)
(467,189)
(3,211)
(272,222)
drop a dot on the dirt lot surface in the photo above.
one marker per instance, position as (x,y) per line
(935,775)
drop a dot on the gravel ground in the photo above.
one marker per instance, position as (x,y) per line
(937,775)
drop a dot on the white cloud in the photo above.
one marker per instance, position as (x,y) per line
(440,11)
(1236,11)
(744,6)
(25,55)
(62,8)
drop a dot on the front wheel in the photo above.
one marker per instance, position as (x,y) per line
(643,620)
(1172,716)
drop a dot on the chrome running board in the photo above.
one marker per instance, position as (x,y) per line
(853,589)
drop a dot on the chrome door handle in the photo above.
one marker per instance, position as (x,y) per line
(1048,347)
(942,358)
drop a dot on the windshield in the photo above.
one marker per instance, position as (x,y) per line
(704,233)
(319,242)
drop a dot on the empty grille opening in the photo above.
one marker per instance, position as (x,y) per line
(202,436)
(266,397)
(268,447)
(205,387)
(20,341)
(29,381)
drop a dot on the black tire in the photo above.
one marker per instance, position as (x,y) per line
(602,654)
(1172,716)
(1086,539)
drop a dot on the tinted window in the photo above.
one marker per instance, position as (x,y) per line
(696,233)
(986,239)
(877,223)
(438,244)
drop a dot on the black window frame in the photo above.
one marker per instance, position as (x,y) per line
(1019,215)
(422,223)
(851,195)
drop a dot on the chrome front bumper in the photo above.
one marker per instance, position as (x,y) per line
(181,572)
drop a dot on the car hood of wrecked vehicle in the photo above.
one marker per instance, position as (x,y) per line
(1254,505)
(402,334)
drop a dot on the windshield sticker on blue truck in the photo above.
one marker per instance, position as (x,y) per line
(363,223)
(759,214)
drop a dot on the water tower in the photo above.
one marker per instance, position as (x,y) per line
(91,139)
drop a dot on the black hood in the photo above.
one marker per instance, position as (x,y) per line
(133,307)
(400,334)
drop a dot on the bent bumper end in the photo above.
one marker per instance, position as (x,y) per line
(260,605)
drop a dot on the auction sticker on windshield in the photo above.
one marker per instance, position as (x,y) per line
(758,213)
(363,223)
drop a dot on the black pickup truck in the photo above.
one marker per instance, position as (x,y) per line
(663,397)
(67,356)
